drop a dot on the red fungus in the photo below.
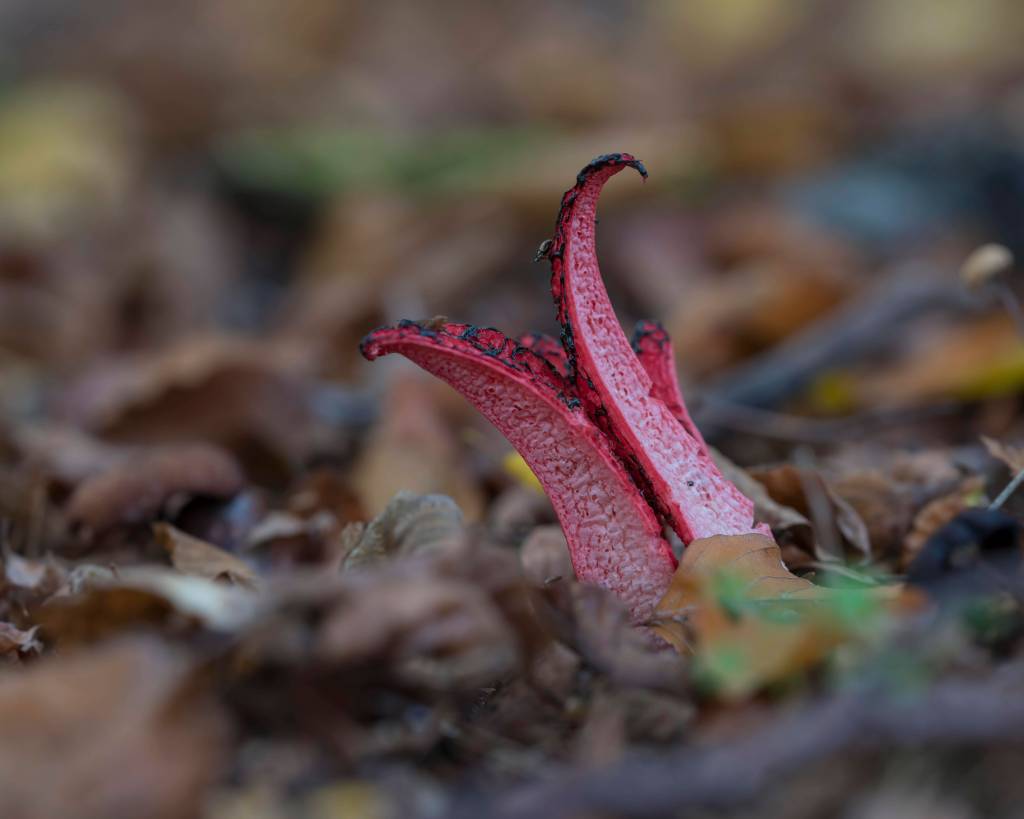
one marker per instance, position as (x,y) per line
(548,348)
(674,470)
(654,349)
(602,424)
(614,538)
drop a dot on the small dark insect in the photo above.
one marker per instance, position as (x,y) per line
(435,324)
(543,250)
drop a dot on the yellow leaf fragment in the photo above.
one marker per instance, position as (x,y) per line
(515,466)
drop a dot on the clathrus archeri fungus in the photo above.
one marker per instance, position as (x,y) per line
(600,422)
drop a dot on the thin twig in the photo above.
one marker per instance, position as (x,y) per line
(1008,491)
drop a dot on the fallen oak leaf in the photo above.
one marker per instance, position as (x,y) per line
(193,556)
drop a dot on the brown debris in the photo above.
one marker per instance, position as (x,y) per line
(116,731)
(137,491)
(190,555)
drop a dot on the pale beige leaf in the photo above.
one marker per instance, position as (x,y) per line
(193,556)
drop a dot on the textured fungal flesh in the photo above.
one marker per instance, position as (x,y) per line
(601,423)
(614,537)
(673,470)
(654,350)
(548,348)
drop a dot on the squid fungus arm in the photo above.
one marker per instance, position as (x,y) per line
(653,348)
(548,348)
(671,467)
(614,537)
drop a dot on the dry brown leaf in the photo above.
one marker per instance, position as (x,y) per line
(286,539)
(710,610)
(412,448)
(788,525)
(67,454)
(792,486)
(1012,456)
(936,514)
(409,524)
(754,561)
(249,397)
(193,556)
(16,642)
(885,504)
(596,625)
(115,732)
(100,602)
(137,490)
(446,622)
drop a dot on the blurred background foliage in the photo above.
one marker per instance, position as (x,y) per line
(295,174)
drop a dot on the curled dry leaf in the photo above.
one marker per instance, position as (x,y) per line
(800,488)
(409,524)
(790,527)
(754,561)
(1012,456)
(100,602)
(936,514)
(193,556)
(112,733)
(137,490)
(886,505)
(15,642)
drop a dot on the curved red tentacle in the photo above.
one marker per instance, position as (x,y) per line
(548,348)
(653,348)
(674,471)
(614,537)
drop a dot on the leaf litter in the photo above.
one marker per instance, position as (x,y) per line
(242,574)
